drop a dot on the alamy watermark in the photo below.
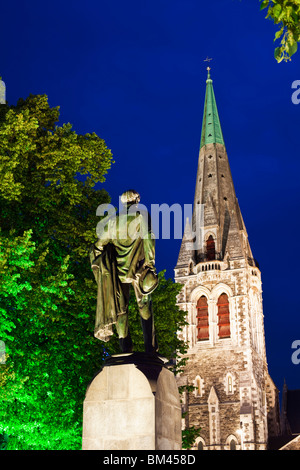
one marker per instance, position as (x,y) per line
(296,354)
(296,94)
(161,216)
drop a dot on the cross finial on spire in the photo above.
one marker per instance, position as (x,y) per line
(208,59)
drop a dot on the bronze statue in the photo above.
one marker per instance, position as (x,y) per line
(124,255)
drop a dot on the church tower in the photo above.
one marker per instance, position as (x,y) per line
(234,401)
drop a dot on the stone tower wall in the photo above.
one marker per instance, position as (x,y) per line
(241,411)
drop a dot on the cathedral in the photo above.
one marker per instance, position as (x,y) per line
(233,399)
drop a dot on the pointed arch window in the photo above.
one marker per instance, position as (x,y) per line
(229,384)
(223,316)
(198,386)
(232,445)
(210,248)
(202,319)
(200,445)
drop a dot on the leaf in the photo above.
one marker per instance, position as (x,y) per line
(264,4)
(277,54)
(276,10)
(292,47)
(278,34)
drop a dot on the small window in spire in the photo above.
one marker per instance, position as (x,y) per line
(209,135)
(225,198)
(210,175)
(209,156)
(223,176)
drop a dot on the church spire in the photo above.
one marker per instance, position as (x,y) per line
(222,235)
(211,127)
(215,193)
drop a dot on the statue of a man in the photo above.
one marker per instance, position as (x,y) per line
(124,255)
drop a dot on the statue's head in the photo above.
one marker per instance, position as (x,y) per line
(130,197)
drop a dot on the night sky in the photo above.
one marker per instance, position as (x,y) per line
(134,73)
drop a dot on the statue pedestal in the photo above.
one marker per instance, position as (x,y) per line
(132,404)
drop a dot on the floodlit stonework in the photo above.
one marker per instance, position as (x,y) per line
(132,405)
(234,402)
(294,444)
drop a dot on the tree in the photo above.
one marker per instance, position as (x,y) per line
(285,14)
(47,294)
(48,203)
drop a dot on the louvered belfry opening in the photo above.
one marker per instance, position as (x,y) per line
(210,248)
(223,316)
(202,319)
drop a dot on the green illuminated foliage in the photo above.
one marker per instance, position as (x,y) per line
(48,217)
(285,14)
(3,441)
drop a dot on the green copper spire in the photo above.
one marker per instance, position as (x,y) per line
(211,127)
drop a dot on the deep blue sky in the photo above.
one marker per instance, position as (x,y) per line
(134,73)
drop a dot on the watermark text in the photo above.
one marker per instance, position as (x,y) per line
(296,354)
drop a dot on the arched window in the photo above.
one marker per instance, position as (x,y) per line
(198,384)
(232,445)
(202,319)
(229,384)
(210,248)
(223,316)
(199,444)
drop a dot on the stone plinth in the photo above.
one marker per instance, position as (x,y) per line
(132,404)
